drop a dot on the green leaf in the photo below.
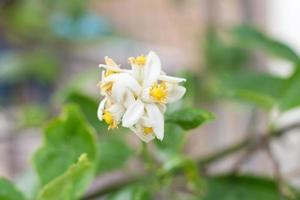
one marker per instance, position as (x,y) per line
(8,191)
(233,187)
(114,153)
(173,139)
(253,87)
(291,96)
(71,184)
(249,37)
(65,139)
(189,118)
(89,107)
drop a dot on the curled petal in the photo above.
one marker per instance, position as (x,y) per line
(133,114)
(158,120)
(171,79)
(176,93)
(101,108)
(126,80)
(152,69)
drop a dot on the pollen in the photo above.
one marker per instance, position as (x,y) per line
(108,118)
(107,87)
(159,92)
(139,60)
(148,130)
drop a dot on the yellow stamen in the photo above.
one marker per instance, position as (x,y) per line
(148,130)
(109,72)
(108,118)
(159,92)
(107,87)
(139,60)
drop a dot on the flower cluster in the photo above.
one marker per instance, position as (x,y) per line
(137,98)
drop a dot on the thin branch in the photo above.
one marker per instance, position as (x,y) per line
(250,142)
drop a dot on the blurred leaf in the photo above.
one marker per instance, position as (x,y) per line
(133,192)
(253,87)
(114,153)
(189,118)
(8,191)
(28,183)
(65,139)
(222,56)
(290,97)
(173,139)
(251,38)
(71,184)
(33,115)
(241,188)
(89,107)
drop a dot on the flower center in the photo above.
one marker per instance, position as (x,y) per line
(108,118)
(159,92)
(140,60)
(148,130)
(107,87)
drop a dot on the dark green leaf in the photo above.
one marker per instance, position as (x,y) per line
(252,38)
(8,191)
(114,153)
(189,118)
(71,184)
(65,139)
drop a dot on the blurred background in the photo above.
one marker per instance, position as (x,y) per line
(50,51)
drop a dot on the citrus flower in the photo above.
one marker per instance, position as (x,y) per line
(137,98)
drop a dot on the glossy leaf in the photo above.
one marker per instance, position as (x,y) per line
(189,118)
(8,191)
(250,37)
(65,139)
(71,184)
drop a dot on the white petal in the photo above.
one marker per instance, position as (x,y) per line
(117,111)
(171,79)
(144,137)
(126,80)
(157,118)
(176,93)
(152,69)
(145,95)
(133,114)
(118,92)
(101,108)
(129,99)
(162,107)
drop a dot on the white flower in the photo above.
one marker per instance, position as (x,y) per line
(138,97)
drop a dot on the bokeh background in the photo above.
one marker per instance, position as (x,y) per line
(50,50)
